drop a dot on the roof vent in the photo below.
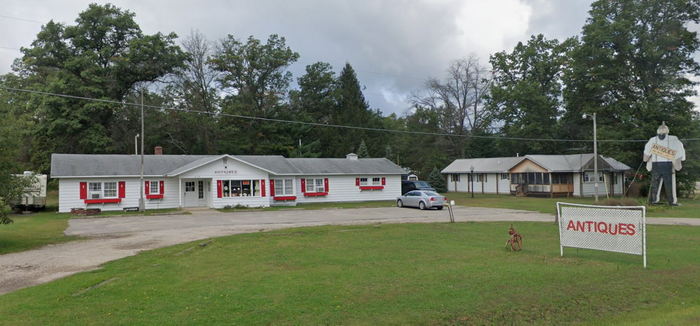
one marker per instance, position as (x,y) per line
(351,156)
(158,150)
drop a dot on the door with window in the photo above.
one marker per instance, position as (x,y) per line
(195,193)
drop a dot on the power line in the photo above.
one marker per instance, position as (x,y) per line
(8,48)
(22,19)
(317,124)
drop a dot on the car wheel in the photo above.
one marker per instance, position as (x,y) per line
(421,205)
(439,208)
(399,203)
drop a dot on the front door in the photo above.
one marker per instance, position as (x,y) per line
(195,193)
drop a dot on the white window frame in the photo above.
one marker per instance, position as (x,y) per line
(364,181)
(376,181)
(588,177)
(102,190)
(254,188)
(284,187)
(314,185)
(150,187)
(115,189)
(455,177)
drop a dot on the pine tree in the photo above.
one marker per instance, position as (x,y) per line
(437,180)
(362,151)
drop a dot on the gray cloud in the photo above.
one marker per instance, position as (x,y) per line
(393,45)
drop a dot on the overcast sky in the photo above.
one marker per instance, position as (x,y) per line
(393,45)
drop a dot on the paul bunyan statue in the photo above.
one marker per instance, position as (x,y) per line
(664,154)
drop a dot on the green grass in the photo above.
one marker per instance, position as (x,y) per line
(332,205)
(32,231)
(689,208)
(378,274)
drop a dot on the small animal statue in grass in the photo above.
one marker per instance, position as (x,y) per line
(516,240)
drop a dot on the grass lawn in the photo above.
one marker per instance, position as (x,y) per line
(32,231)
(378,274)
(689,208)
(361,204)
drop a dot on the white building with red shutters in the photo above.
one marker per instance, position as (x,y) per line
(112,182)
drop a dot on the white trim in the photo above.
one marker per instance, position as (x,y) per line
(215,159)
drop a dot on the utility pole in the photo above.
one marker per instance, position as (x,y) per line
(595,155)
(136,144)
(142,204)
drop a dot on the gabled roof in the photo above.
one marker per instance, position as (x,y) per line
(482,165)
(101,165)
(553,163)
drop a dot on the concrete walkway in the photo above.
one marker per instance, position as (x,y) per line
(112,238)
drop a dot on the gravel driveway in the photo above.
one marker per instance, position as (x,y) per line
(117,237)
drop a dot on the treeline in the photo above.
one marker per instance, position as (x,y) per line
(632,65)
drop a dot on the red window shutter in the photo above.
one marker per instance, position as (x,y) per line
(162,186)
(218,188)
(262,187)
(325,184)
(272,187)
(383,181)
(148,187)
(357,181)
(122,189)
(83,190)
(303,185)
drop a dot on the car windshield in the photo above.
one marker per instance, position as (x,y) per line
(422,184)
(431,193)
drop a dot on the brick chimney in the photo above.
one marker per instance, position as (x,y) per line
(158,150)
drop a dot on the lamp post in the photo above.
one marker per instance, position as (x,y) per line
(471,179)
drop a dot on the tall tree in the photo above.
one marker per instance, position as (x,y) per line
(526,93)
(13,132)
(633,69)
(104,55)
(193,88)
(459,100)
(353,110)
(255,76)
(316,101)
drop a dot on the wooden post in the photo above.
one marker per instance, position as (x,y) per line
(551,186)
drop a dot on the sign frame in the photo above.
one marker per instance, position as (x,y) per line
(642,226)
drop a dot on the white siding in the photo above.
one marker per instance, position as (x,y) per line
(232,170)
(343,189)
(489,187)
(69,194)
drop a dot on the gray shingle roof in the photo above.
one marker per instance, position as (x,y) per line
(482,165)
(83,165)
(345,166)
(553,163)
(71,165)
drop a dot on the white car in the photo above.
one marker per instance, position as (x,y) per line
(422,199)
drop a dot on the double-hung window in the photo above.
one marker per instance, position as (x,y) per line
(363,182)
(376,181)
(314,185)
(100,190)
(284,187)
(154,187)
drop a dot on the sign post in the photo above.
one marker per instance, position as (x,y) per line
(608,228)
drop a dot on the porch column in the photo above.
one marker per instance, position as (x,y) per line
(179,192)
(551,186)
